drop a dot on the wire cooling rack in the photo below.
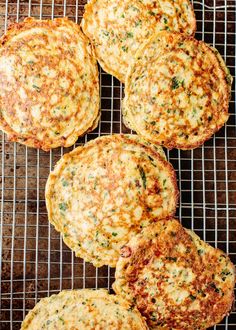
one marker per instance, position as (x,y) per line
(34,261)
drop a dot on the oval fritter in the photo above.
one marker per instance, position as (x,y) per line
(103,193)
(83,310)
(177,91)
(117,28)
(49,89)
(177,281)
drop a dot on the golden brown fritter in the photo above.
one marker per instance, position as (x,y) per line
(49,89)
(103,193)
(177,281)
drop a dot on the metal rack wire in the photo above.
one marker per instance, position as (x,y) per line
(34,261)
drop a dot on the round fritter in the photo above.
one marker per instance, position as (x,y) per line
(83,310)
(102,194)
(177,281)
(177,92)
(49,88)
(117,28)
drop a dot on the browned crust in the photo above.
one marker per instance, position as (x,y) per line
(31,141)
(227,86)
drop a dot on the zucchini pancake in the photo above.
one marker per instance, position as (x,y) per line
(83,310)
(49,88)
(177,91)
(102,194)
(117,28)
(177,281)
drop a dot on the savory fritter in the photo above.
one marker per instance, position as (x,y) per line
(177,281)
(117,28)
(83,310)
(102,194)
(49,89)
(177,91)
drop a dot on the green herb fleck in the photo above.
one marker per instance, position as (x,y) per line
(200,252)
(63,206)
(125,49)
(151,13)
(171,258)
(229,79)
(62,320)
(226,272)
(129,34)
(123,15)
(175,83)
(143,176)
(214,287)
(37,88)
(192,297)
(153,317)
(114,234)
(65,183)
(138,23)
(106,33)
(165,20)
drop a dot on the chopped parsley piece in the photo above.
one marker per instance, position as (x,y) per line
(125,49)
(229,78)
(63,206)
(114,234)
(153,317)
(165,20)
(65,183)
(106,33)
(37,88)
(138,23)
(200,252)
(151,13)
(62,320)
(143,176)
(192,297)
(226,272)
(175,83)
(129,34)
(214,287)
(171,258)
